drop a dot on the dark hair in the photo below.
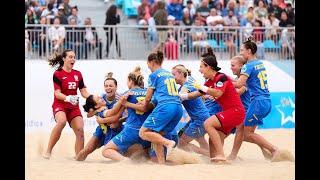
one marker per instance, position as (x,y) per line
(250,44)
(112,11)
(90,104)
(109,77)
(58,59)
(136,77)
(156,57)
(209,59)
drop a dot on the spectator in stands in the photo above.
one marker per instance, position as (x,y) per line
(190,8)
(160,18)
(75,15)
(75,37)
(231,19)
(288,43)
(272,23)
(258,35)
(42,36)
(144,12)
(187,20)
(198,35)
(248,18)
(290,12)
(112,18)
(274,8)
(203,11)
(91,40)
(231,6)
(56,34)
(175,9)
(230,35)
(261,11)
(30,17)
(50,12)
(36,8)
(63,18)
(215,21)
(66,7)
(256,2)
(243,9)
(219,8)
(284,21)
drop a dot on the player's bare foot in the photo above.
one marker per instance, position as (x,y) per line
(81,156)
(267,154)
(219,160)
(282,155)
(46,155)
(170,146)
(234,158)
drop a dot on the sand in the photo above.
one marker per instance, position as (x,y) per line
(95,167)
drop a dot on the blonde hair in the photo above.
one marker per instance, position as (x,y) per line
(136,77)
(182,69)
(240,59)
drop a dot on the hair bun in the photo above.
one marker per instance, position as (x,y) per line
(108,75)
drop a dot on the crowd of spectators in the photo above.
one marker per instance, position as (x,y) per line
(53,15)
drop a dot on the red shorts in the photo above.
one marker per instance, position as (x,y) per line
(71,113)
(230,118)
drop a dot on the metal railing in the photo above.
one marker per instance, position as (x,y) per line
(136,42)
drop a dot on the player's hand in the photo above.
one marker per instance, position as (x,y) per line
(183,96)
(198,86)
(73,99)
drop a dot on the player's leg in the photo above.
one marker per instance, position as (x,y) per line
(238,139)
(92,144)
(210,125)
(202,143)
(110,150)
(252,137)
(184,143)
(77,126)
(61,121)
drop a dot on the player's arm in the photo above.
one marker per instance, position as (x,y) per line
(149,94)
(241,81)
(140,106)
(241,90)
(111,119)
(84,93)
(59,95)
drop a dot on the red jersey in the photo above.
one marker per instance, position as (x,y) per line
(68,83)
(230,98)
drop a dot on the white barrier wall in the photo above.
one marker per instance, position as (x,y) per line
(39,85)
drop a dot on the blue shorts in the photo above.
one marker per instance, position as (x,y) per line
(196,128)
(128,137)
(164,118)
(258,109)
(213,107)
(171,136)
(105,138)
(112,132)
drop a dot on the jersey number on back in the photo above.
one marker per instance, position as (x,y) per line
(139,99)
(72,85)
(171,86)
(263,79)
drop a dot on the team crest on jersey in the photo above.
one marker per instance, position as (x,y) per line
(76,78)
(219,84)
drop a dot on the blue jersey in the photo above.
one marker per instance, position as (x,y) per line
(245,99)
(257,79)
(136,118)
(195,107)
(165,87)
(109,104)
